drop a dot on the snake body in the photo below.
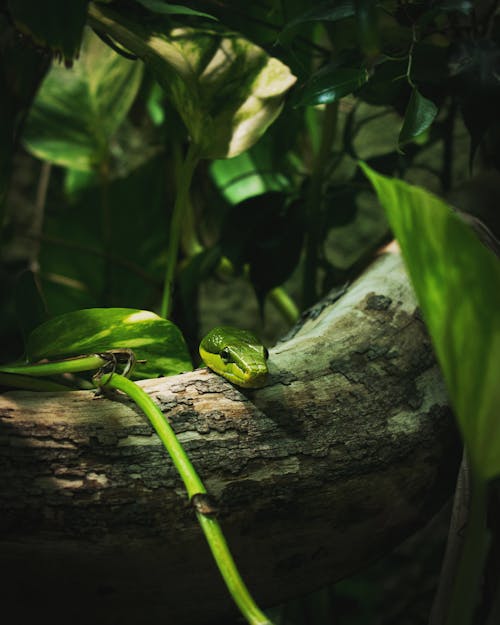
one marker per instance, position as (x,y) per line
(235,354)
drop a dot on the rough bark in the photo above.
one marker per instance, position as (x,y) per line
(348,449)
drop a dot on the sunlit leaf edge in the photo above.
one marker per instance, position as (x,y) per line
(458,289)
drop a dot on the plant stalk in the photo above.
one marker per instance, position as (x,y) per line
(314,202)
(181,204)
(284,304)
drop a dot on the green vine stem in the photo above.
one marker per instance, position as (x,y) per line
(284,304)
(194,487)
(181,205)
(475,548)
(314,202)
(77,364)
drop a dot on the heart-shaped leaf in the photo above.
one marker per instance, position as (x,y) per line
(457,282)
(78,110)
(226,89)
(95,330)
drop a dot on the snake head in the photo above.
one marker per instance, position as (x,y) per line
(237,355)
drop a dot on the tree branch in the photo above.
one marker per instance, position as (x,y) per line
(349,448)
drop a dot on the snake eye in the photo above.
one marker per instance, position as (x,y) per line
(225,355)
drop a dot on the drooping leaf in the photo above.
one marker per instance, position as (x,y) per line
(56,24)
(419,115)
(457,282)
(95,330)
(77,111)
(165,8)
(329,84)
(226,89)
(266,233)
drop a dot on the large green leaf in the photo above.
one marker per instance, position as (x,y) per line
(94,330)
(77,111)
(57,24)
(226,89)
(457,282)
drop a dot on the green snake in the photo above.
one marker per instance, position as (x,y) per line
(235,354)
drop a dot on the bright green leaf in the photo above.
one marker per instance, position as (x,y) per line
(419,115)
(77,111)
(457,282)
(329,84)
(57,24)
(95,330)
(226,89)
(247,175)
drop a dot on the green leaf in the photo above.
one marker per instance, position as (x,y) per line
(419,115)
(329,84)
(163,8)
(266,233)
(247,175)
(95,330)
(457,283)
(77,111)
(57,24)
(226,89)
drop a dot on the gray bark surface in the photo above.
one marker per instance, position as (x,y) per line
(348,449)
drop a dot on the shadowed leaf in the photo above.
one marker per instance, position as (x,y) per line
(419,115)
